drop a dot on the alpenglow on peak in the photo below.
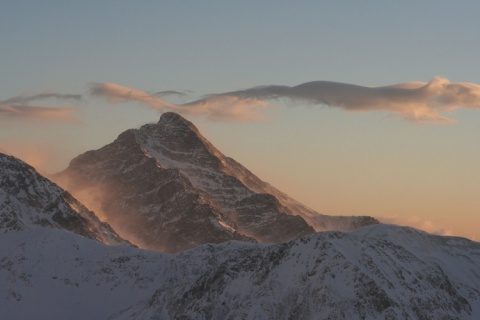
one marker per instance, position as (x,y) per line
(166,187)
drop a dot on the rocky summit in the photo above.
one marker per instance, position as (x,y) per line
(166,187)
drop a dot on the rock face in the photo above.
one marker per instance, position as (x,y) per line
(376,272)
(28,200)
(381,272)
(165,187)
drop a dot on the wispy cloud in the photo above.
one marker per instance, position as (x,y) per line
(115,93)
(28,112)
(27,98)
(19,108)
(222,108)
(420,102)
(166,93)
(416,101)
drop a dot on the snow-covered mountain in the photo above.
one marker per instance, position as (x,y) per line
(166,187)
(375,272)
(56,261)
(28,200)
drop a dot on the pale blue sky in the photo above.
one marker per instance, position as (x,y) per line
(210,46)
(334,161)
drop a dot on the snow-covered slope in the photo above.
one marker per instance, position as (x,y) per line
(377,272)
(171,185)
(27,199)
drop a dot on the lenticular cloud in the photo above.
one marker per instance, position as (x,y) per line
(416,101)
(420,102)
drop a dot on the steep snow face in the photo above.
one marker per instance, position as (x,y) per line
(27,199)
(330,275)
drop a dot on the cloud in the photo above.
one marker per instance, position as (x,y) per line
(115,93)
(172,93)
(226,107)
(420,102)
(222,108)
(416,101)
(19,108)
(24,99)
(27,112)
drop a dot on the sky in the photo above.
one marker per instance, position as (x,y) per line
(351,107)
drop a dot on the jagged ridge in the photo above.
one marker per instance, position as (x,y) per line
(328,275)
(28,200)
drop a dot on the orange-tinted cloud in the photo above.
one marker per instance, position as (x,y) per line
(419,102)
(27,112)
(18,108)
(228,108)
(416,101)
(115,93)
(27,98)
(221,108)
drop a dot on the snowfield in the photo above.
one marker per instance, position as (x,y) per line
(377,272)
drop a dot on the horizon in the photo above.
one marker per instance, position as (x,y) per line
(352,111)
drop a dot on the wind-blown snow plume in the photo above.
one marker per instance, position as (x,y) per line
(419,223)
(19,108)
(419,102)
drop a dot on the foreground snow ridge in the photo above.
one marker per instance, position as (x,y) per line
(376,272)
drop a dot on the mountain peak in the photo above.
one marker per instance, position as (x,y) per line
(168,116)
(184,192)
(173,119)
